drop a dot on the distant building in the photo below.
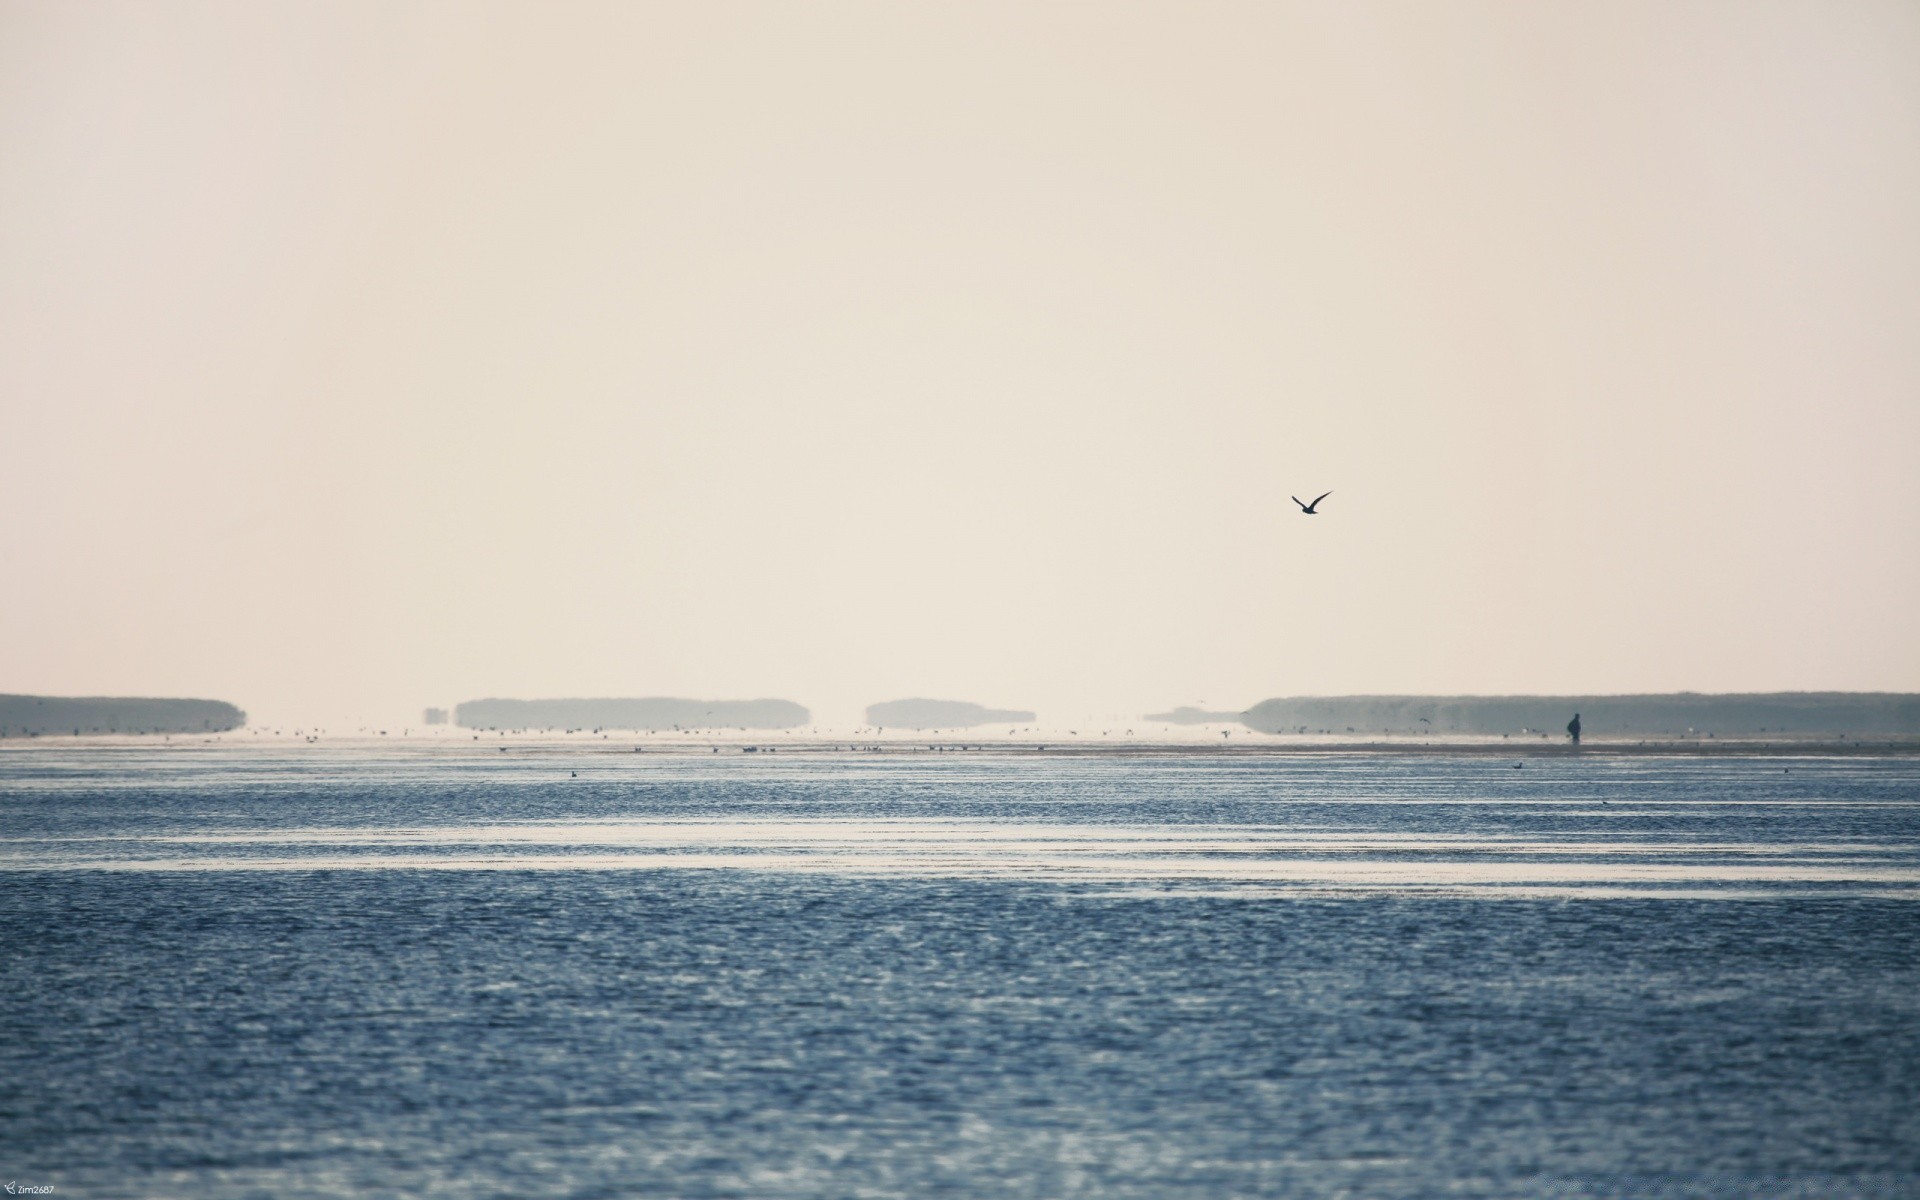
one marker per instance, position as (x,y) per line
(436,716)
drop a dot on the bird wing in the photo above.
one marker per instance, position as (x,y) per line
(1296,500)
(1319,498)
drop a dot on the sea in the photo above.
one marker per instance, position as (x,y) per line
(552,968)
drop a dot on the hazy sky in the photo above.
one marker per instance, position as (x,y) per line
(357,357)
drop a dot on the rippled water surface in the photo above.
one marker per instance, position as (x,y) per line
(267,970)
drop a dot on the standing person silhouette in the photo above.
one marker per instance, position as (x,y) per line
(1573,729)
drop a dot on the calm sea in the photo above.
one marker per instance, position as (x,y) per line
(286,971)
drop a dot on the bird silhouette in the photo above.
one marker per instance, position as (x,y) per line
(1308,508)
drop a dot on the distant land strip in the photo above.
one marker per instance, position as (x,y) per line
(941,714)
(40,716)
(1655,715)
(651,712)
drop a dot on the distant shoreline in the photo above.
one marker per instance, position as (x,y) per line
(736,744)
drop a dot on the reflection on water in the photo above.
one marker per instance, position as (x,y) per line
(1301,825)
(230,972)
(880,847)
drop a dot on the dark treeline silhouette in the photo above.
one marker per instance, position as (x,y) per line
(940,714)
(33,716)
(652,712)
(1676,714)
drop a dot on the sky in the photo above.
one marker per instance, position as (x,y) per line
(358,357)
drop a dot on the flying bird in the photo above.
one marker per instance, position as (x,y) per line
(1308,508)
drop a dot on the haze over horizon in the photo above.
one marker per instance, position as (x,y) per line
(356,358)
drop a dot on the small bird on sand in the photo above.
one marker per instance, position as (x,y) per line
(1308,508)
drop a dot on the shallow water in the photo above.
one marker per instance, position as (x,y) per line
(282,971)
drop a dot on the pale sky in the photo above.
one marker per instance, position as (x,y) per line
(359,357)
